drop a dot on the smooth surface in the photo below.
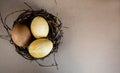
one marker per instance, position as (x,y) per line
(39,27)
(21,35)
(40,48)
(91,43)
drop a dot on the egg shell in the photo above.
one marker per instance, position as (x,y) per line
(39,27)
(40,48)
(21,35)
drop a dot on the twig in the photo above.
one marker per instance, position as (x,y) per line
(28,5)
(9,15)
(55,61)
(44,65)
(8,32)
(1,18)
(65,27)
(4,37)
(56,7)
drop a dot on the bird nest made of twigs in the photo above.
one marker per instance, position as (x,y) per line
(55,30)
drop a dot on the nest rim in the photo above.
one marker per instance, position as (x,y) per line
(55,33)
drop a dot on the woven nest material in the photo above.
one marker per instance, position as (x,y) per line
(55,31)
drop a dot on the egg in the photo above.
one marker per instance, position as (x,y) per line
(21,35)
(39,27)
(40,48)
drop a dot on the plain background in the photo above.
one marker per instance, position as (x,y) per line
(91,44)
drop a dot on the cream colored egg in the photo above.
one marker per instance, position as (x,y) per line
(21,35)
(40,48)
(39,27)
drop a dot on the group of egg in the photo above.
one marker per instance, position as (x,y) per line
(39,28)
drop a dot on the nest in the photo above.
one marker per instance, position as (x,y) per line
(55,32)
(26,17)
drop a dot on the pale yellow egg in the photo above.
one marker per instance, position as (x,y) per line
(21,35)
(40,48)
(39,27)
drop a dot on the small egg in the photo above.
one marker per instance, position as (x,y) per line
(21,35)
(40,48)
(39,27)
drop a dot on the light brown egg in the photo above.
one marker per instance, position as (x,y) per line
(39,27)
(21,35)
(40,48)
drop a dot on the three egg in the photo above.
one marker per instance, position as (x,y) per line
(39,28)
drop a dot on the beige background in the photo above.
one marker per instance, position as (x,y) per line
(91,43)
